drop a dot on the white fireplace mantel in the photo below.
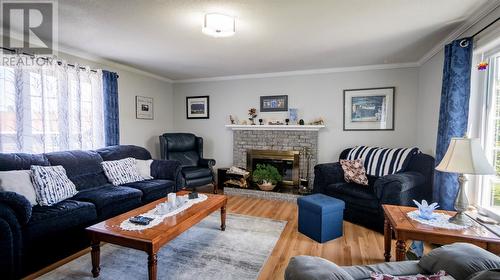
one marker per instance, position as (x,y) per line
(275,127)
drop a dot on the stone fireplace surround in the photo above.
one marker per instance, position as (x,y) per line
(293,138)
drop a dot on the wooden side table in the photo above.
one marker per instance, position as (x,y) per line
(221,178)
(404,228)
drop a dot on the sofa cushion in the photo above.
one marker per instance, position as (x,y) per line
(382,161)
(21,161)
(82,167)
(65,215)
(460,260)
(486,275)
(362,203)
(121,171)
(193,172)
(18,181)
(110,200)
(354,171)
(197,182)
(393,268)
(314,268)
(352,189)
(144,168)
(153,189)
(51,184)
(123,151)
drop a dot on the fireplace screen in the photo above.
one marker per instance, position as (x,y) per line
(287,163)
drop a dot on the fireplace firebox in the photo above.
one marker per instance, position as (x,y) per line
(287,163)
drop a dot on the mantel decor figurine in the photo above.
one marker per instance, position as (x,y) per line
(252,113)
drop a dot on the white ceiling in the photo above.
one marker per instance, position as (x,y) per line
(164,36)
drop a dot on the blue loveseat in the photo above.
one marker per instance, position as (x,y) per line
(34,237)
(363,204)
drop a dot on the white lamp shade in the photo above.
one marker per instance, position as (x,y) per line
(465,155)
(219,25)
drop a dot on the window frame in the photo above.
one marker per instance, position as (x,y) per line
(488,89)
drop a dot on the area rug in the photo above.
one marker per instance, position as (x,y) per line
(202,252)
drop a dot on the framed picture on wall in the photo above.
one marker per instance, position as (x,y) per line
(369,109)
(144,107)
(274,103)
(197,107)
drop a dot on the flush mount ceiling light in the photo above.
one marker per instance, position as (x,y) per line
(219,25)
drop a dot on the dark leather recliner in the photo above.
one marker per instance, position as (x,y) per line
(188,149)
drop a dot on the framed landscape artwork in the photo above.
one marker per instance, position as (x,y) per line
(369,109)
(197,107)
(274,103)
(144,107)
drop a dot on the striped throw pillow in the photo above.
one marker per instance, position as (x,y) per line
(121,171)
(382,161)
(51,184)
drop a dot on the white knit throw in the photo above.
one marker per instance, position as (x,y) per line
(439,220)
(158,218)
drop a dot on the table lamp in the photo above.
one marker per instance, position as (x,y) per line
(464,156)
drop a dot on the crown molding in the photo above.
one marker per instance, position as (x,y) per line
(63,49)
(100,60)
(301,72)
(469,23)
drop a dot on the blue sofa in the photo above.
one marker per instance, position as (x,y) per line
(363,204)
(462,261)
(34,237)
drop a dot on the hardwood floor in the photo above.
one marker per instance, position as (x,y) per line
(358,245)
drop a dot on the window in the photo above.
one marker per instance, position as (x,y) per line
(50,108)
(490,133)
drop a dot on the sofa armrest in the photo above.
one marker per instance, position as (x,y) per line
(10,243)
(167,170)
(389,188)
(312,268)
(20,206)
(205,162)
(326,174)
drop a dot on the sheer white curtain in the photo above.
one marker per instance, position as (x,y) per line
(50,108)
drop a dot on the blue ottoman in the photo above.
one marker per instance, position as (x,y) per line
(320,217)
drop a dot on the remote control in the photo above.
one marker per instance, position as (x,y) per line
(140,220)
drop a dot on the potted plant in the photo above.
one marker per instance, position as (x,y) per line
(266,176)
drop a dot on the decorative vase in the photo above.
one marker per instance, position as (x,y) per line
(266,186)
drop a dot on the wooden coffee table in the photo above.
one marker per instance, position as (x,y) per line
(405,228)
(152,239)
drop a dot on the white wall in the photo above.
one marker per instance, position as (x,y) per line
(429,95)
(134,131)
(314,95)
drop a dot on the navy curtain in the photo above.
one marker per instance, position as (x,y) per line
(111,114)
(453,114)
